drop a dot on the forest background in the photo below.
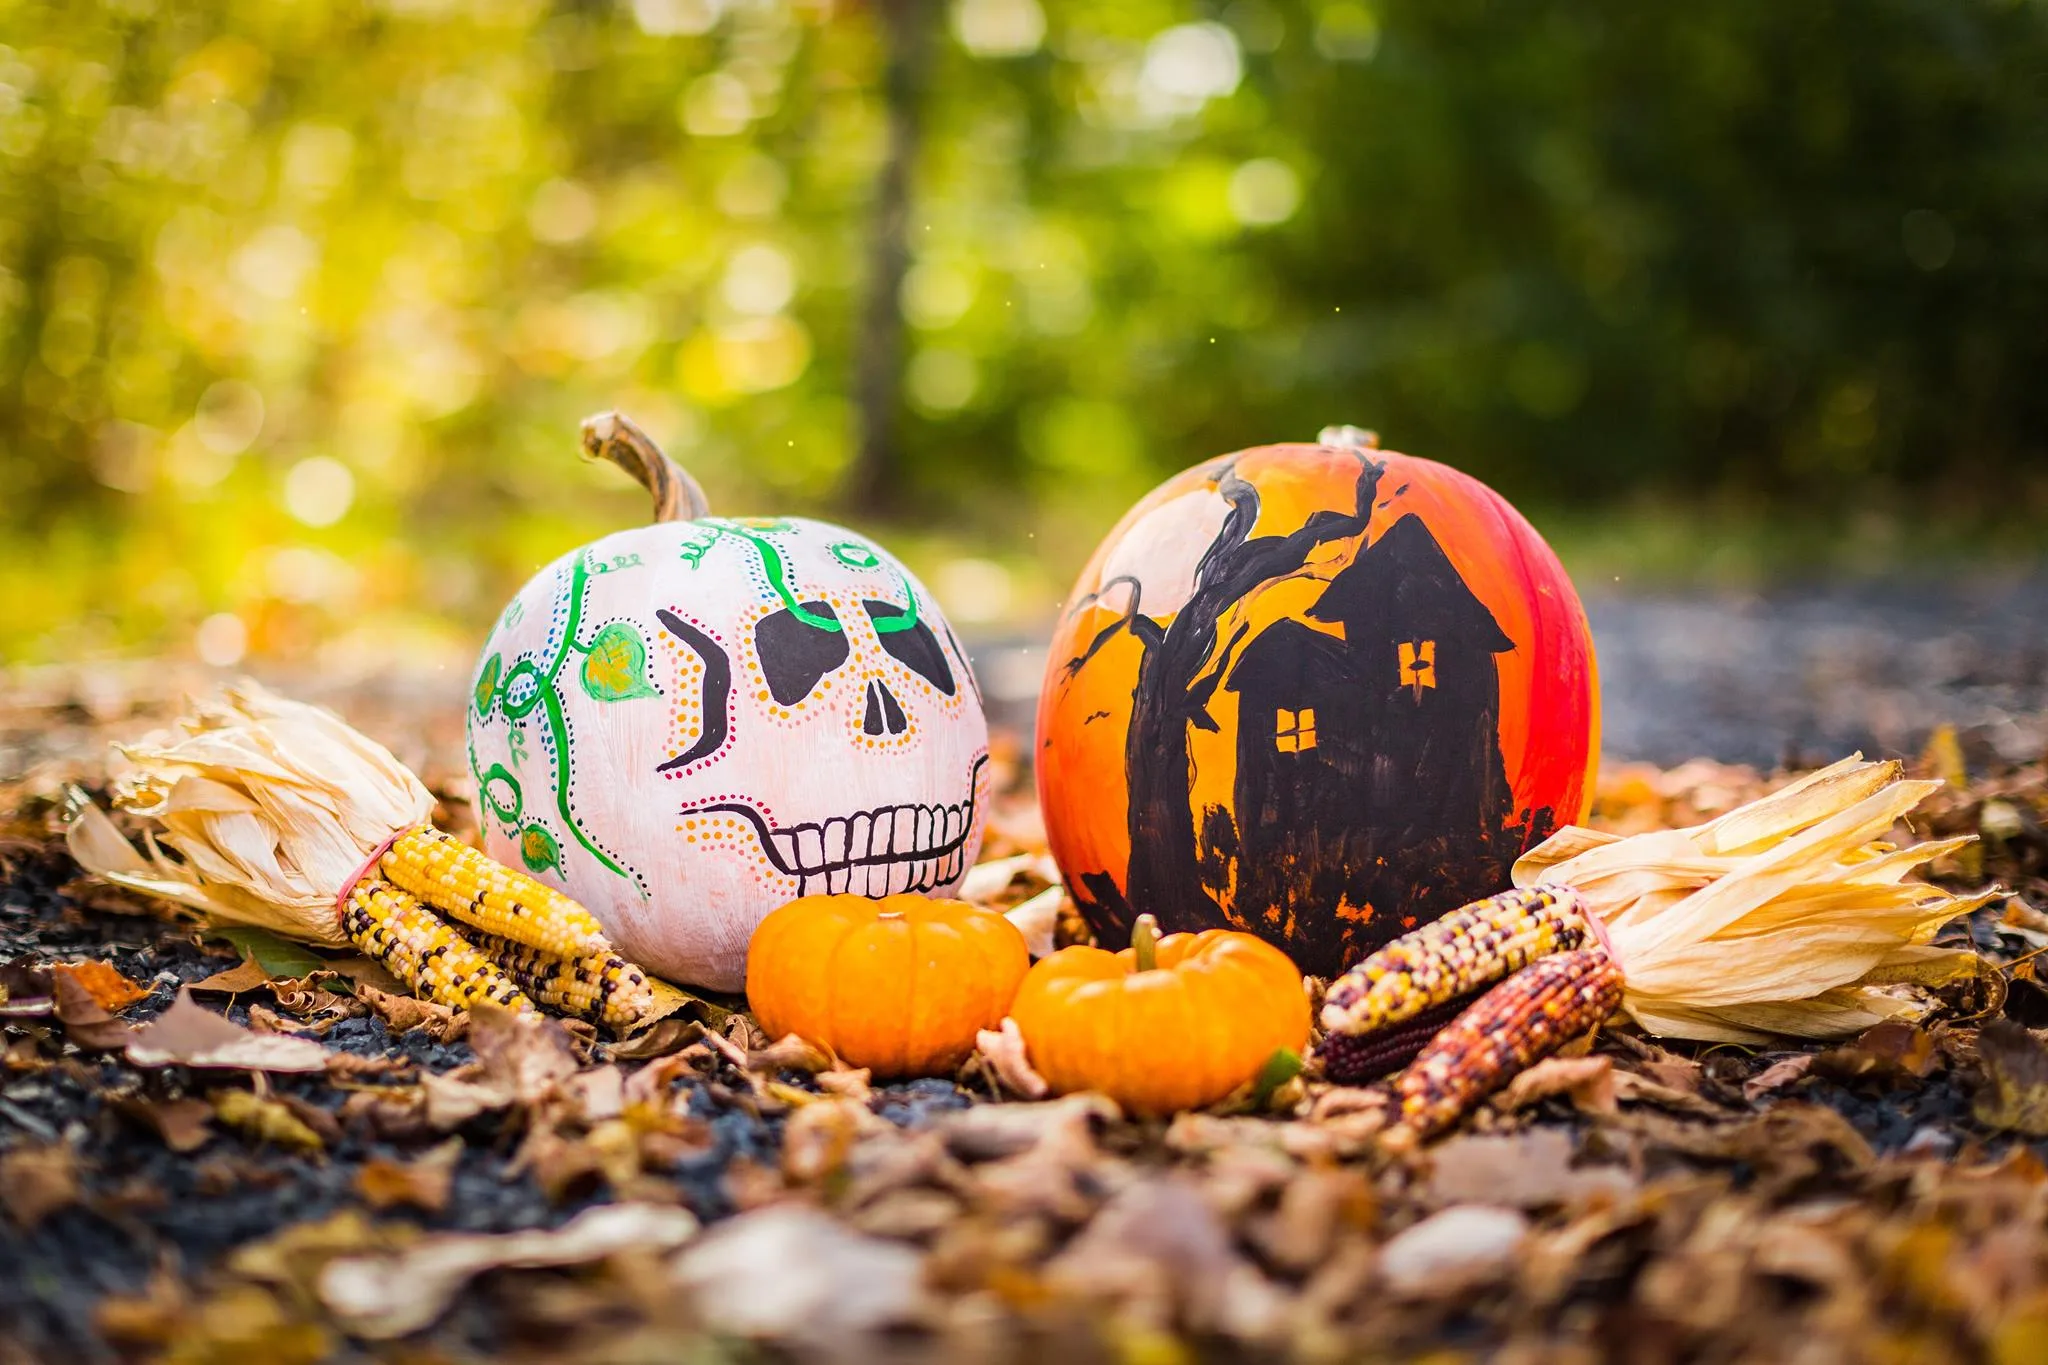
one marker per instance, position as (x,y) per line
(300,303)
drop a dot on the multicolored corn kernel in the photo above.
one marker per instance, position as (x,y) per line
(423,951)
(1454,956)
(605,988)
(1519,1022)
(1360,1058)
(485,894)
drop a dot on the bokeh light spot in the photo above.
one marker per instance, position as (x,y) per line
(717,105)
(1348,33)
(759,280)
(974,590)
(676,18)
(221,640)
(999,28)
(1264,192)
(942,380)
(276,261)
(561,211)
(318,490)
(1192,62)
(754,187)
(937,293)
(229,417)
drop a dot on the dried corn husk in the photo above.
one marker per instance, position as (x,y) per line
(1790,915)
(271,806)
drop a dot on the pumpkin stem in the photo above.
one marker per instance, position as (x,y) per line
(677,496)
(1349,438)
(1145,943)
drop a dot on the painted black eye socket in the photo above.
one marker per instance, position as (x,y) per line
(917,649)
(796,655)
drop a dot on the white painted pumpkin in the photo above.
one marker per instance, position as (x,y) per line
(687,724)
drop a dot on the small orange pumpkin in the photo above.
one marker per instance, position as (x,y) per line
(1168,1023)
(899,984)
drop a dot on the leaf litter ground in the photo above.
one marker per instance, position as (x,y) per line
(205,1158)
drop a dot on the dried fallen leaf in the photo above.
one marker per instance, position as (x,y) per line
(308,994)
(1004,1050)
(239,979)
(665,1037)
(423,1183)
(1631,1087)
(404,1013)
(1777,1076)
(265,1120)
(793,1274)
(1452,1253)
(2015,1095)
(37,1181)
(597,1095)
(188,1034)
(1893,1050)
(988,1132)
(849,1083)
(293,1257)
(1038,919)
(365,972)
(85,1022)
(382,1297)
(818,1137)
(109,989)
(788,1053)
(1588,1081)
(25,989)
(453,1101)
(1160,1252)
(525,1053)
(148,1321)
(1531,1169)
(185,1125)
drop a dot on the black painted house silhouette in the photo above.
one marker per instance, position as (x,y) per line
(1368,762)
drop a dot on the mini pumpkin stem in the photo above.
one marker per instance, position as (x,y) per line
(1145,943)
(1349,438)
(677,496)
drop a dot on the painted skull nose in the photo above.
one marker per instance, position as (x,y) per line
(884,713)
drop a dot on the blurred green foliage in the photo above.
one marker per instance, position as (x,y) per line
(300,301)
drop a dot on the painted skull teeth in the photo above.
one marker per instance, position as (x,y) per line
(884,851)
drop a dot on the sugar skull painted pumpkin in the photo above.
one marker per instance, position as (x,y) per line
(687,724)
(1322,693)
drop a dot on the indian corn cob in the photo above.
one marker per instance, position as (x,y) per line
(423,951)
(601,987)
(1453,957)
(1358,1058)
(1520,1021)
(485,894)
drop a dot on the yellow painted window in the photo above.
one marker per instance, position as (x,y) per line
(1418,664)
(1295,731)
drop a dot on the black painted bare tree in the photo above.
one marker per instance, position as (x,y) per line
(1177,675)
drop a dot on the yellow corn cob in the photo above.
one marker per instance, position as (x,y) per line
(605,988)
(1465,950)
(484,894)
(1521,1021)
(423,951)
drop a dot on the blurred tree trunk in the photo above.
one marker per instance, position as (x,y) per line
(876,481)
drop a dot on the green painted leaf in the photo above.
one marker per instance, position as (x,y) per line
(615,669)
(278,956)
(487,684)
(538,849)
